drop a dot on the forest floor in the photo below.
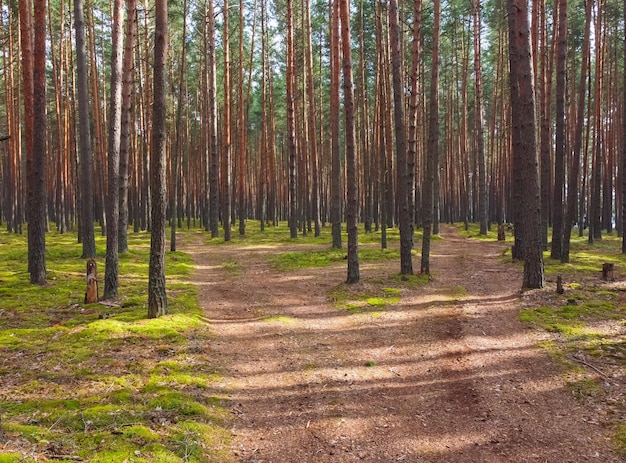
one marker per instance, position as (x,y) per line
(447,373)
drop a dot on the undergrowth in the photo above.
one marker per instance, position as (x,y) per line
(102,382)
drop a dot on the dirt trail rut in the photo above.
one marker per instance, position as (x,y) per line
(453,376)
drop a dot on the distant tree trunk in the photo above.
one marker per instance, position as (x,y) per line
(480,139)
(432,160)
(125,142)
(115,126)
(336,173)
(157,297)
(413,111)
(214,177)
(559,164)
(86,156)
(291,131)
(179,137)
(351,181)
(226,131)
(574,175)
(545,105)
(403,178)
(524,140)
(37,172)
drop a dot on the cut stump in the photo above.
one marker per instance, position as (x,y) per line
(607,271)
(91,295)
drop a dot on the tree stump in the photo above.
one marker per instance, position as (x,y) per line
(607,271)
(559,284)
(501,234)
(91,295)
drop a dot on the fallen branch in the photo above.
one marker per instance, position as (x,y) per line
(583,362)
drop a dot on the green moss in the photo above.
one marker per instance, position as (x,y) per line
(280,319)
(12,458)
(94,377)
(583,388)
(620,439)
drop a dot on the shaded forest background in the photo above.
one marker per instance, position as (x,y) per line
(253,99)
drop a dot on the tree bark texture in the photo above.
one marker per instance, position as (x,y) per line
(157,296)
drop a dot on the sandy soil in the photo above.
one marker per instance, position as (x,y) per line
(455,375)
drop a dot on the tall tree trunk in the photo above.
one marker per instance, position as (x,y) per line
(312,125)
(125,142)
(214,154)
(351,180)
(336,173)
(623,146)
(180,139)
(413,111)
(226,131)
(524,140)
(574,174)
(86,156)
(480,139)
(595,210)
(559,164)
(432,160)
(404,180)
(157,297)
(36,174)
(291,130)
(114,138)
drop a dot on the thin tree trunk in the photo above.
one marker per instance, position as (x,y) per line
(86,155)
(312,126)
(574,175)
(623,146)
(336,172)
(178,148)
(350,139)
(214,154)
(404,177)
(433,143)
(226,131)
(127,86)
(291,131)
(480,139)
(559,164)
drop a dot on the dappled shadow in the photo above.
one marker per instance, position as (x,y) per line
(448,374)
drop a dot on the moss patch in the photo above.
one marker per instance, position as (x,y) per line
(103,382)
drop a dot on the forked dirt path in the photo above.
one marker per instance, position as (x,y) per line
(455,376)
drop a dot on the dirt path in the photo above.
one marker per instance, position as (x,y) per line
(456,378)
